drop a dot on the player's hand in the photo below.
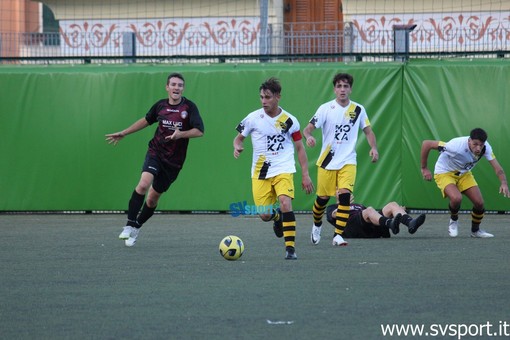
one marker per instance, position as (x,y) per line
(237,151)
(427,175)
(114,137)
(175,136)
(310,142)
(503,189)
(374,154)
(307,184)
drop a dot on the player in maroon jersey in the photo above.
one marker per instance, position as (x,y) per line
(366,222)
(178,120)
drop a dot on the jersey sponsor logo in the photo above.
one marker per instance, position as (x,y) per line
(172,125)
(342,132)
(275,143)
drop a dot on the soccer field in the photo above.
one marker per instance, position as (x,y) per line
(70,277)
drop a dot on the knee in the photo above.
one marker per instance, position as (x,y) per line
(478,205)
(142,188)
(455,200)
(285,203)
(286,206)
(370,210)
(152,199)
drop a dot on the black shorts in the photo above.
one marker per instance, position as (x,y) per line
(357,227)
(164,175)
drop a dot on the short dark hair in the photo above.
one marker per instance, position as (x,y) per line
(175,75)
(345,77)
(272,84)
(479,134)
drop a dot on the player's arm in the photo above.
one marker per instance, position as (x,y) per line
(426,146)
(307,132)
(369,133)
(191,133)
(503,188)
(238,145)
(117,136)
(306,182)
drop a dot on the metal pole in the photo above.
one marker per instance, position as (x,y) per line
(264,29)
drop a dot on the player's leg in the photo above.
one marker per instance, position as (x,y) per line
(149,206)
(447,183)
(275,213)
(342,216)
(264,195)
(346,177)
(393,208)
(288,226)
(160,184)
(455,199)
(284,188)
(477,213)
(135,204)
(326,187)
(373,216)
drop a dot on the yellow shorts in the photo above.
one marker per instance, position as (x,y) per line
(328,181)
(462,182)
(266,191)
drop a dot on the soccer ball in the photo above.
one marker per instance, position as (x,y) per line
(231,248)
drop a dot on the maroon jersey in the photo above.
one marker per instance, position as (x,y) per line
(183,116)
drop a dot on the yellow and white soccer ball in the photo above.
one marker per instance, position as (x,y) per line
(231,248)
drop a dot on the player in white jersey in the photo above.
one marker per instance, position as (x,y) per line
(272,141)
(453,176)
(340,121)
(274,134)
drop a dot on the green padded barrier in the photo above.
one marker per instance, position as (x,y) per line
(53,120)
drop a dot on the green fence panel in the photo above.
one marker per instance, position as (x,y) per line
(53,120)
(447,99)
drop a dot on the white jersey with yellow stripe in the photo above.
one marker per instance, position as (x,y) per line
(455,156)
(340,126)
(272,141)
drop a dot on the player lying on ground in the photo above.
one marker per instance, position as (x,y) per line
(366,222)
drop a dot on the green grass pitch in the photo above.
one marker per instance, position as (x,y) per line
(70,277)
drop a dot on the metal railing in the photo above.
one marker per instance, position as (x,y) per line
(283,44)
